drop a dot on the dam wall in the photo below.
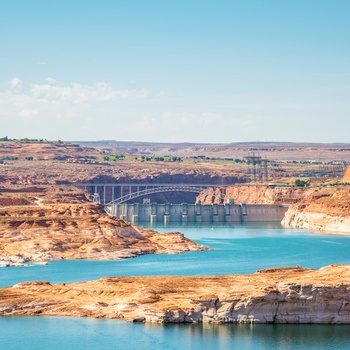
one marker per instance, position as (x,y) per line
(192,213)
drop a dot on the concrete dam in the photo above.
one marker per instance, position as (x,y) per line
(197,213)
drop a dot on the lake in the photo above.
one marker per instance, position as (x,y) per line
(239,248)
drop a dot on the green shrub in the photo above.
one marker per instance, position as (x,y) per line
(301,183)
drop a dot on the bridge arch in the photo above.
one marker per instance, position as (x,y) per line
(153,190)
(101,191)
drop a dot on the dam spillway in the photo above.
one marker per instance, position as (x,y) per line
(197,213)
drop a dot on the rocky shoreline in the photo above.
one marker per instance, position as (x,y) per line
(317,222)
(54,224)
(324,210)
(279,295)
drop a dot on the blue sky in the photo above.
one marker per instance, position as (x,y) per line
(176,70)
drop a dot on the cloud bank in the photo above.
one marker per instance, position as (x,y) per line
(76,111)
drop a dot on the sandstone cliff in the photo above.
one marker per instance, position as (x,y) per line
(346,177)
(55,223)
(326,209)
(253,194)
(284,295)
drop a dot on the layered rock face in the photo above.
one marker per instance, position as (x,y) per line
(253,194)
(284,295)
(55,223)
(326,209)
(346,177)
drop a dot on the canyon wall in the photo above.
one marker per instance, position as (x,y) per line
(253,194)
(325,209)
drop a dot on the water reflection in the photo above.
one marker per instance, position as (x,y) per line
(39,333)
(245,336)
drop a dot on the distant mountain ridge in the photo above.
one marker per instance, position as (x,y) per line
(271,150)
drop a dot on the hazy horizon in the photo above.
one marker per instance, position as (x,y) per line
(214,143)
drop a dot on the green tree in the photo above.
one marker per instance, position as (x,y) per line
(301,183)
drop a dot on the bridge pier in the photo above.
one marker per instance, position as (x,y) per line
(243,212)
(184,211)
(135,217)
(198,213)
(215,213)
(153,219)
(227,212)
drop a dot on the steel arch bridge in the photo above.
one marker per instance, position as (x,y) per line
(153,190)
(117,193)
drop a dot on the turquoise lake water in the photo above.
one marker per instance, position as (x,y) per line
(237,249)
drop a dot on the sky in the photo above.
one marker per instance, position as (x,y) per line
(210,71)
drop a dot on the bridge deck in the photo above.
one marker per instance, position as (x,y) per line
(101,184)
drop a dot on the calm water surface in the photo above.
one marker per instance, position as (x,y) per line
(237,249)
(42,333)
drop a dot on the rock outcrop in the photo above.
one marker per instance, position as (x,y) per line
(326,209)
(56,223)
(254,194)
(346,177)
(279,295)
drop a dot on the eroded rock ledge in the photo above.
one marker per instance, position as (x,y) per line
(282,295)
(326,209)
(61,223)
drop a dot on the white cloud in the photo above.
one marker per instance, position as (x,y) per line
(15,83)
(208,118)
(51,81)
(146,124)
(81,94)
(160,93)
(73,111)
(42,63)
(55,99)
(188,119)
(27,113)
(99,111)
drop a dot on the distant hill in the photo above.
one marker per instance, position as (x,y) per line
(271,150)
(19,150)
